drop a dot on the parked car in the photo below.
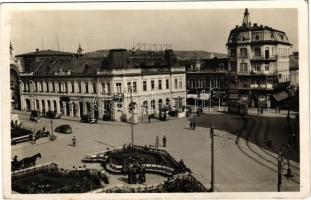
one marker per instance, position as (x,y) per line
(65,128)
(35,116)
(88,119)
(52,115)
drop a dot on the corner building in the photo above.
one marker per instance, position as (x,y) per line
(103,86)
(258,63)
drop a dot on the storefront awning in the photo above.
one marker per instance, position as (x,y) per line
(205,96)
(280,96)
(192,96)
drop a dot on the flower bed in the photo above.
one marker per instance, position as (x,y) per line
(55,180)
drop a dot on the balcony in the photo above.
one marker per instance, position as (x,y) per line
(263,58)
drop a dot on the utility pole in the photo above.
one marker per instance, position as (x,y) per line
(52,131)
(280,160)
(212,157)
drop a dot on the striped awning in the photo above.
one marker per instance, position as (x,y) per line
(280,96)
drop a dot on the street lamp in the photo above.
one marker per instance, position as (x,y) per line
(131,109)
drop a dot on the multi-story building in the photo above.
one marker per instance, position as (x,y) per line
(207,78)
(102,86)
(258,62)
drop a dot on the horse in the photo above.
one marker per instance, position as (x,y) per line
(30,161)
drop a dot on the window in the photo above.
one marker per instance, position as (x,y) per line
(144,85)
(167,84)
(233,52)
(36,86)
(160,84)
(134,86)
(176,83)
(129,87)
(47,86)
(41,86)
(119,87)
(53,87)
(153,104)
(257,51)
(266,67)
(180,83)
(152,85)
(108,88)
(267,54)
(72,87)
(243,67)
(59,87)
(103,88)
(94,88)
(79,87)
(243,53)
(66,87)
(256,67)
(86,87)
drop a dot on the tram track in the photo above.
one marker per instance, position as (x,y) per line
(256,130)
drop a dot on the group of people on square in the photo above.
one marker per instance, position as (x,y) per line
(136,172)
(157,142)
(39,133)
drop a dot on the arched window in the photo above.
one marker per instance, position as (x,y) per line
(167,101)
(27,104)
(160,103)
(37,104)
(153,104)
(49,105)
(55,106)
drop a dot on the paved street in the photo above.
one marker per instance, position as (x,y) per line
(240,164)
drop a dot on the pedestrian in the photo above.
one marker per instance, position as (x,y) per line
(190,125)
(157,142)
(164,141)
(193,125)
(149,117)
(74,139)
(261,110)
(276,109)
(34,138)
(269,141)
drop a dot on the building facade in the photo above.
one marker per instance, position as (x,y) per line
(208,78)
(107,87)
(258,62)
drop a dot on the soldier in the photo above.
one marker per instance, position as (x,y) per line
(164,141)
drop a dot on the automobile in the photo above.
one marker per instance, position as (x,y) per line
(52,115)
(88,119)
(35,116)
(65,128)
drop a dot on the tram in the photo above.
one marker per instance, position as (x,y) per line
(238,107)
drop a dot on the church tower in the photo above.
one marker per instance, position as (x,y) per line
(79,50)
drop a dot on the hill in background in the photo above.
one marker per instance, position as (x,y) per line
(183,55)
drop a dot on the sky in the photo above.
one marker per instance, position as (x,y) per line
(206,29)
